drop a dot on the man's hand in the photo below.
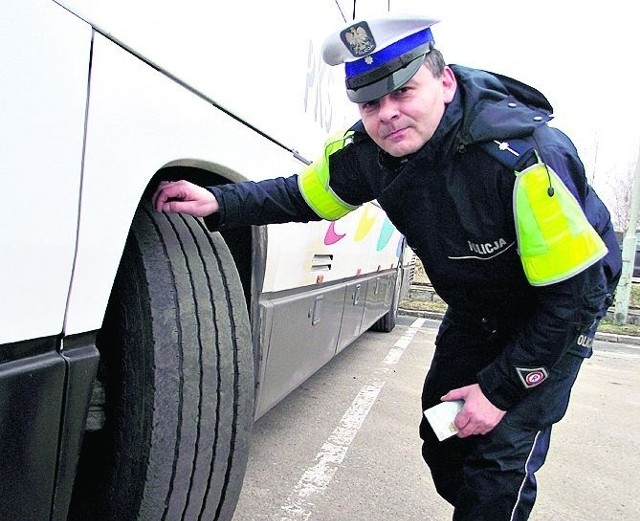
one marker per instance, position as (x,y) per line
(184,197)
(478,415)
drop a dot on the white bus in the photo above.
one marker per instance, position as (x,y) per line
(136,348)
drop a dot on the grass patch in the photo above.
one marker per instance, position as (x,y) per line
(634,299)
(607,326)
(421,305)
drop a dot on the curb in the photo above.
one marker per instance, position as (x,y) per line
(622,339)
(605,337)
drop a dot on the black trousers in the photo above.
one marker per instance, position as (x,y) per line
(491,477)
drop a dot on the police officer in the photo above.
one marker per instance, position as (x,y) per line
(493,200)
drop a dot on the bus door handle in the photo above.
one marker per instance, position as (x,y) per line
(356,295)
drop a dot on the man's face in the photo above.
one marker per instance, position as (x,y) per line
(404,120)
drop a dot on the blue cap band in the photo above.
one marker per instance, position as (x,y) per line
(355,68)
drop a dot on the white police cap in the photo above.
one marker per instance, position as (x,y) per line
(380,54)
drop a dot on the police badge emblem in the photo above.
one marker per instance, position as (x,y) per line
(358,39)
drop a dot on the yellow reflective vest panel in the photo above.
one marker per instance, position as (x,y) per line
(555,239)
(313,182)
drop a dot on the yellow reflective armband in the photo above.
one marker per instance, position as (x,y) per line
(313,182)
(555,239)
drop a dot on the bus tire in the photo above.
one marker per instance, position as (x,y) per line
(387,322)
(177,369)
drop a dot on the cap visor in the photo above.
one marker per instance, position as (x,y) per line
(386,85)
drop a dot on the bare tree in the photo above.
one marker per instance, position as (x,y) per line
(622,188)
(591,172)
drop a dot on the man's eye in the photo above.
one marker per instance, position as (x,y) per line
(368,105)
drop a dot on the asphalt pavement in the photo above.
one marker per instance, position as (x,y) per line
(345,446)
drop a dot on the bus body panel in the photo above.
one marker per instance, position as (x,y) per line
(136,127)
(121,157)
(270,74)
(44,89)
(363,241)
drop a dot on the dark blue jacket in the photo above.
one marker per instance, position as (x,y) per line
(453,201)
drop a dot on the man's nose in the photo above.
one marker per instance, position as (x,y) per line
(388,108)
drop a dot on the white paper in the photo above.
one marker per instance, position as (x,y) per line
(441,417)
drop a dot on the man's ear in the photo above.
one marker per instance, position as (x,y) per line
(449,84)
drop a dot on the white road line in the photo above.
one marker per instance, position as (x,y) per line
(316,479)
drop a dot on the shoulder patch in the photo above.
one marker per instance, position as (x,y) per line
(530,377)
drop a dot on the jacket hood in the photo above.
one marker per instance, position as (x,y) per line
(498,107)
